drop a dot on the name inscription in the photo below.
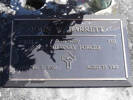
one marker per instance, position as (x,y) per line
(93,29)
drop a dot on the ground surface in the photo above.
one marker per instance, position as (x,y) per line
(124,7)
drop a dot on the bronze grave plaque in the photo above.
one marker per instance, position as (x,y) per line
(88,52)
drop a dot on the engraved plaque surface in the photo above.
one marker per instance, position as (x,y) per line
(88,52)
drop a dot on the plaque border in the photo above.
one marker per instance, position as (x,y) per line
(93,79)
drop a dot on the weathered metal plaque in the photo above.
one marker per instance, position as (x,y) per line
(92,51)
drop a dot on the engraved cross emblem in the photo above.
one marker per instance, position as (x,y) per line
(68,60)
